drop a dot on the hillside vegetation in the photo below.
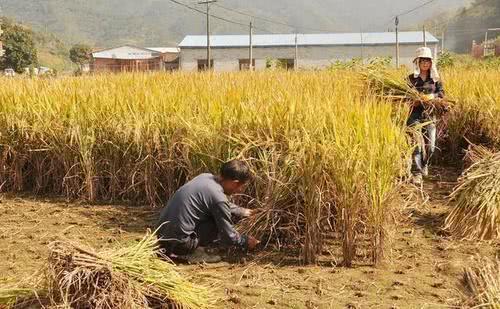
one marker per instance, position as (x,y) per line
(471,24)
(161,22)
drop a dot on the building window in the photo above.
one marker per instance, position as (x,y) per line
(244,63)
(287,64)
(202,64)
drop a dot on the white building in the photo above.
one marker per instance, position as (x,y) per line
(133,58)
(231,52)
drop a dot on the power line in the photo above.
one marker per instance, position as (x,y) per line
(408,12)
(268,20)
(252,16)
(476,4)
(414,9)
(204,13)
(217,17)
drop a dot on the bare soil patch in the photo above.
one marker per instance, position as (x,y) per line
(423,269)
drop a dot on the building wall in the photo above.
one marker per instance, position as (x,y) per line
(170,57)
(167,62)
(227,59)
(119,65)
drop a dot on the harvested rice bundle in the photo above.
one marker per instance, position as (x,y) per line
(482,284)
(391,84)
(17,297)
(131,277)
(476,198)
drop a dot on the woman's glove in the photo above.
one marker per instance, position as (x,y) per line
(429,97)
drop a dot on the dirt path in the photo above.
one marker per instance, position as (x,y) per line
(423,269)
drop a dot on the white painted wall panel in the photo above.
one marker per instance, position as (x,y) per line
(227,59)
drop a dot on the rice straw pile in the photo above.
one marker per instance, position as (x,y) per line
(482,284)
(130,277)
(476,199)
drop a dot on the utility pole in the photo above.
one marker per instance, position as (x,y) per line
(396,22)
(423,31)
(208,2)
(442,41)
(485,44)
(1,47)
(296,62)
(250,51)
(361,34)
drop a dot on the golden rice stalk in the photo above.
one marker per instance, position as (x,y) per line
(19,297)
(131,277)
(482,283)
(476,113)
(476,199)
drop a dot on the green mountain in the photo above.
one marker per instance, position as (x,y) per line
(105,23)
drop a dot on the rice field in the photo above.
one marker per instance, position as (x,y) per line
(475,117)
(320,147)
(330,153)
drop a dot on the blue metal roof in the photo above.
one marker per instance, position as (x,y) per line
(327,39)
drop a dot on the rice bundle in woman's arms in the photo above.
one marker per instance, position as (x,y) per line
(391,85)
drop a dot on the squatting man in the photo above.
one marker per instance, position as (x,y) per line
(199,214)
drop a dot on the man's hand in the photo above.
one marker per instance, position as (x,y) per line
(245,213)
(252,243)
(240,212)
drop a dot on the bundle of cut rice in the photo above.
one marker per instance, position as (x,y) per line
(476,199)
(482,284)
(16,297)
(131,277)
(392,85)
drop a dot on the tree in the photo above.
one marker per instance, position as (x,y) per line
(80,54)
(19,46)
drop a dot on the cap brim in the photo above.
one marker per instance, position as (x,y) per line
(415,60)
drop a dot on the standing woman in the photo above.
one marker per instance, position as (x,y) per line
(425,79)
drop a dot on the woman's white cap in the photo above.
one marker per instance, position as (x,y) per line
(423,52)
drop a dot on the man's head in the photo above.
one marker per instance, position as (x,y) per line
(234,175)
